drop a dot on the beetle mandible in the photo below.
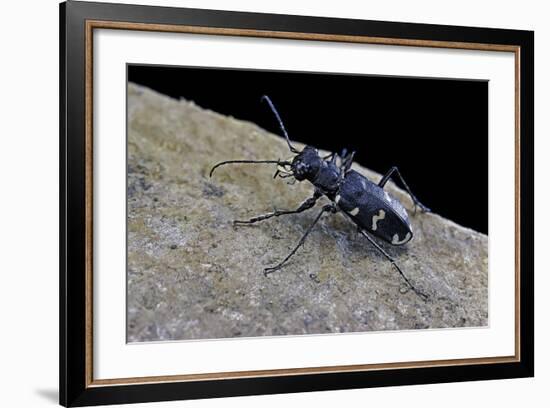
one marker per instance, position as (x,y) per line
(372,209)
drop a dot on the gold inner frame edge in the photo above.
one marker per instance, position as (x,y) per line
(104,24)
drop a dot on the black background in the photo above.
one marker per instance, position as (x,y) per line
(434,130)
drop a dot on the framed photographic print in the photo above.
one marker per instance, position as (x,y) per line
(255,203)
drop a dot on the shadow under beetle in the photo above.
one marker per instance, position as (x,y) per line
(363,202)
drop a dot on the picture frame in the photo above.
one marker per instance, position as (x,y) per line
(80,343)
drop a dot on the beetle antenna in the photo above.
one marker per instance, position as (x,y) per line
(281,125)
(279,162)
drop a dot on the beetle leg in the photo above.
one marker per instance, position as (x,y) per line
(326,208)
(416,202)
(329,156)
(389,258)
(306,205)
(347,161)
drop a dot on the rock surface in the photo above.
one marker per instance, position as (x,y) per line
(192,274)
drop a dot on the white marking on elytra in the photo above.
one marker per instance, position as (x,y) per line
(387,197)
(381,215)
(355,211)
(395,239)
(337,199)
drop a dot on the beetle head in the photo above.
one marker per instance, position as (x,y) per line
(306,164)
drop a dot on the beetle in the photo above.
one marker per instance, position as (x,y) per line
(371,208)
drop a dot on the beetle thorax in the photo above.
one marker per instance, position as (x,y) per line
(327,178)
(308,165)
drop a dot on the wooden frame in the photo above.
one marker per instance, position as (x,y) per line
(77,385)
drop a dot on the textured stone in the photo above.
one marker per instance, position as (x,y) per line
(192,274)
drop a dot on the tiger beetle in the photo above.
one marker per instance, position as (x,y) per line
(366,204)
